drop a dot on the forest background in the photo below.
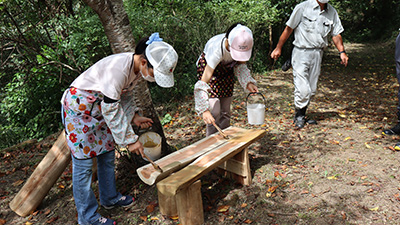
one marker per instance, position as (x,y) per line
(46,44)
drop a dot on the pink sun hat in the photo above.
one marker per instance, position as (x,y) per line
(241,43)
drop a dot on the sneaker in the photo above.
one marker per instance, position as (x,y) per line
(286,66)
(397,146)
(393,131)
(104,221)
(299,121)
(125,201)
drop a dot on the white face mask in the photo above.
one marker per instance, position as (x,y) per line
(323,1)
(147,77)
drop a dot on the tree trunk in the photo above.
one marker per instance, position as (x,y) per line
(119,34)
(115,22)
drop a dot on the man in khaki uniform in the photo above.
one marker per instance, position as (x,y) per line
(312,22)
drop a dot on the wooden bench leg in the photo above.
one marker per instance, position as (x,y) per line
(190,205)
(167,205)
(238,167)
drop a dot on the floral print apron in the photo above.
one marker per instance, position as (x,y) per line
(86,131)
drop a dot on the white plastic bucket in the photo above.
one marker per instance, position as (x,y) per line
(255,111)
(152,145)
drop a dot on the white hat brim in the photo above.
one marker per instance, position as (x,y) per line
(240,55)
(164,80)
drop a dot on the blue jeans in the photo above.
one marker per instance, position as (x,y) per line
(85,200)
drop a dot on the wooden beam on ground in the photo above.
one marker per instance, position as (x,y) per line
(42,178)
(239,140)
(182,157)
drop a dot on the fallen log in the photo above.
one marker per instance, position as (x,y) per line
(43,178)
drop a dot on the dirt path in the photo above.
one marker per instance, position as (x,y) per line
(341,171)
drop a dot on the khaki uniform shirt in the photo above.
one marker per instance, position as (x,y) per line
(312,26)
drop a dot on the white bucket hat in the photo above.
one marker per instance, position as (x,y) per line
(164,58)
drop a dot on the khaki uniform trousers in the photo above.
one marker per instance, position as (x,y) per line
(306,65)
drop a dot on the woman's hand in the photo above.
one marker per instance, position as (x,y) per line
(142,122)
(137,148)
(252,87)
(208,118)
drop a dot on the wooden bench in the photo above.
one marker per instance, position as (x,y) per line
(179,187)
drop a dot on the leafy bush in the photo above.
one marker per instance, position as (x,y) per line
(44,47)
(368,20)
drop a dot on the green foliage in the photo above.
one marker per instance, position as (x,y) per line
(167,118)
(45,45)
(368,20)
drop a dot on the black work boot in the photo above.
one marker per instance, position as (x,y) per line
(396,129)
(286,66)
(300,118)
(393,131)
(309,121)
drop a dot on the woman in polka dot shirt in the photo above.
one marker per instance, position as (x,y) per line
(224,57)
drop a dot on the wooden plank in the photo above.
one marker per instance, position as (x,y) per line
(234,166)
(42,178)
(171,185)
(183,157)
(190,205)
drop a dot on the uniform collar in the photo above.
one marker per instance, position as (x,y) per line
(315,4)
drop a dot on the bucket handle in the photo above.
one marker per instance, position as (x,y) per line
(137,132)
(255,93)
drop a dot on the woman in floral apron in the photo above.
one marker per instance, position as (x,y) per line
(98,109)
(223,58)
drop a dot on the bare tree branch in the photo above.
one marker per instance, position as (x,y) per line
(61,64)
